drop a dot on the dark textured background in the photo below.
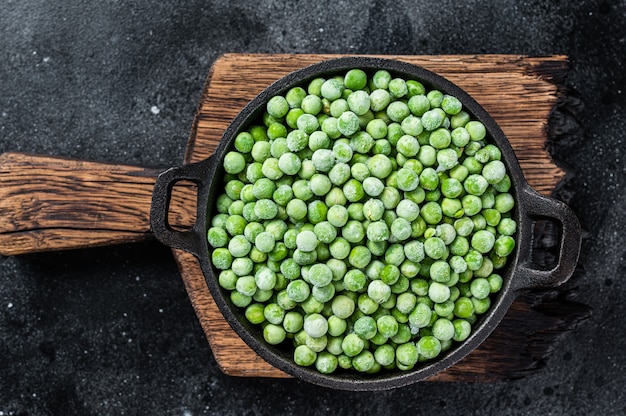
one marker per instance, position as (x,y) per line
(111,330)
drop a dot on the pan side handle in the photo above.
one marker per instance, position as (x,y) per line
(52,203)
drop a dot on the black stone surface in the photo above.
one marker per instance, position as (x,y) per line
(111,330)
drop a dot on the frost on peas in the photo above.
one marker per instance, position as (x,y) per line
(341,193)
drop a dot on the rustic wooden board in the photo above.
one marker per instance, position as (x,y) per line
(49,203)
(518,91)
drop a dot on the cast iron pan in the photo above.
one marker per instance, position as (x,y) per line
(520,273)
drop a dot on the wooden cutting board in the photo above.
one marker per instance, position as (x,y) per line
(49,203)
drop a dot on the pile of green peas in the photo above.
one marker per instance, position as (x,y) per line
(364,222)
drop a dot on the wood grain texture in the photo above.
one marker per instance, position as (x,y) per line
(519,92)
(52,203)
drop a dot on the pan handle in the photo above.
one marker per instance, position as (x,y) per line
(190,240)
(537,207)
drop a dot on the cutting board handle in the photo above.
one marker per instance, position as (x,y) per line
(52,203)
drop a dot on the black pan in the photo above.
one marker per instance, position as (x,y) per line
(520,273)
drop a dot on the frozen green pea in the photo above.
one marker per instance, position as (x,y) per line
(338,106)
(290,269)
(354,280)
(291,118)
(429,179)
(319,140)
(378,231)
(244,142)
(365,327)
(298,290)
(254,313)
(289,163)
(412,125)
(352,345)
(459,120)
(282,195)
(385,355)
(433,119)
(307,123)
(408,145)
(440,271)
(304,356)
(440,138)
(353,190)
(332,89)
(359,102)
(271,169)
(476,130)
(431,213)
(217,237)
(504,245)
(480,288)
(504,202)
(355,79)
(348,123)
(265,209)
(234,162)
(261,151)
(221,258)
(379,291)
(390,197)
(325,232)
(397,111)
(475,184)
(434,247)
(265,242)
(379,99)
(293,322)
(507,226)
(353,231)
(381,79)
(340,248)
(246,285)
(474,259)
(400,229)
(263,188)
(451,105)
(323,159)
(277,106)
(435,97)
(427,155)
(443,329)
(320,275)
(471,204)
(239,246)
(296,209)
(462,329)
(407,179)
(373,186)
(460,137)
(377,128)
(254,171)
(398,88)
(330,126)
(296,140)
(438,292)
(362,142)
(418,104)
(373,209)
(302,190)
(227,279)
(337,215)
(359,257)
(447,159)
(342,151)
(306,241)
(463,307)
(265,278)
